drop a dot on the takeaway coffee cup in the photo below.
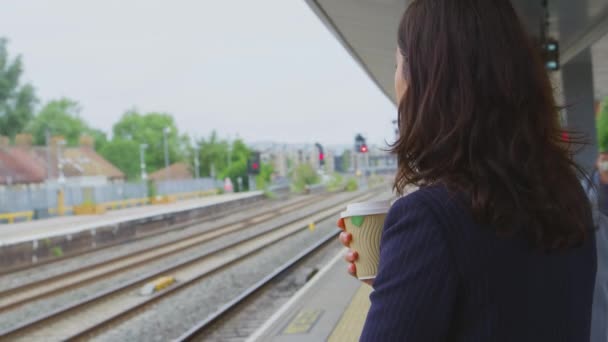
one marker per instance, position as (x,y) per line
(365,222)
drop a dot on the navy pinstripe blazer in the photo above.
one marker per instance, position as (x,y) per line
(444,278)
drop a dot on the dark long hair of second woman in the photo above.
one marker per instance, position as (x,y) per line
(479,116)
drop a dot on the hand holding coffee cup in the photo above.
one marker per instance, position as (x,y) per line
(362,224)
(351,256)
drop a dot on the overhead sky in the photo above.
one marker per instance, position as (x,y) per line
(263,70)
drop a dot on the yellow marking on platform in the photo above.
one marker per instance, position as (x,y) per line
(11,217)
(303,322)
(53,211)
(311,226)
(62,209)
(60,203)
(351,324)
(127,203)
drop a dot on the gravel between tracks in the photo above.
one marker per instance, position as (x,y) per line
(170,318)
(15,279)
(27,312)
(251,315)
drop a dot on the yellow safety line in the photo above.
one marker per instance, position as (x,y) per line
(351,324)
(10,217)
(29,215)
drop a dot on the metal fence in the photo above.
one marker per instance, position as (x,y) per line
(43,198)
(185,186)
(279,184)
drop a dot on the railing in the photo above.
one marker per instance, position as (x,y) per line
(18,205)
(30,203)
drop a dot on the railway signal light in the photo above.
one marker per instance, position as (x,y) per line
(360,144)
(321,154)
(254,163)
(551,54)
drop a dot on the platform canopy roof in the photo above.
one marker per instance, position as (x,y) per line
(368,28)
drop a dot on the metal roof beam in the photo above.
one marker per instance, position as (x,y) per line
(594,32)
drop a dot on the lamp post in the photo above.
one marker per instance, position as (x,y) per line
(229,156)
(47,136)
(61,177)
(196,162)
(142,161)
(166,131)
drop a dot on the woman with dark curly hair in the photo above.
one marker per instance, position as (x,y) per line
(498,242)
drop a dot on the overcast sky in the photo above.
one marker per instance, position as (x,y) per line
(265,70)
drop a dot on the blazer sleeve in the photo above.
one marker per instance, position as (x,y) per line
(415,288)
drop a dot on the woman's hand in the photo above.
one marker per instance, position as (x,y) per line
(351,256)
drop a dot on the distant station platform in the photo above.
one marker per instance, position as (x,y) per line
(64,225)
(331,307)
(30,243)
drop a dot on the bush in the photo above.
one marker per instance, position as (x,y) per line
(57,251)
(302,176)
(88,196)
(336,183)
(151,188)
(352,185)
(269,194)
(602,127)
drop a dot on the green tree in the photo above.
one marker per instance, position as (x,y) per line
(124,154)
(213,155)
(239,155)
(262,181)
(17,101)
(228,160)
(59,117)
(100,137)
(148,129)
(602,127)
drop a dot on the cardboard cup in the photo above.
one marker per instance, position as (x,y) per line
(365,222)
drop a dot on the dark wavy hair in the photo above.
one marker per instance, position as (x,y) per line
(479,116)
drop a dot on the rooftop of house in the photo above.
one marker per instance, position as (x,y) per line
(23,163)
(174,172)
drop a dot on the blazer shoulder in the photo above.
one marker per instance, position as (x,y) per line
(429,196)
(435,200)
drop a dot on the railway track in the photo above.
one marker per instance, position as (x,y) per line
(208,218)
(44,288)
(202,328)
(95,314)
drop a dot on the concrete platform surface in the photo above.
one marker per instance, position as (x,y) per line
(331,307)
(59,226)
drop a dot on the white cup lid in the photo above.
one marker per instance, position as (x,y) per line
(366,208)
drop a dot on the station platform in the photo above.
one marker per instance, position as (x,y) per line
(62,225)
(26,243)
(331,307)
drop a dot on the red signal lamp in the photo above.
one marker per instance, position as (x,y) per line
(363,149)
(255,166)
(321,156)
